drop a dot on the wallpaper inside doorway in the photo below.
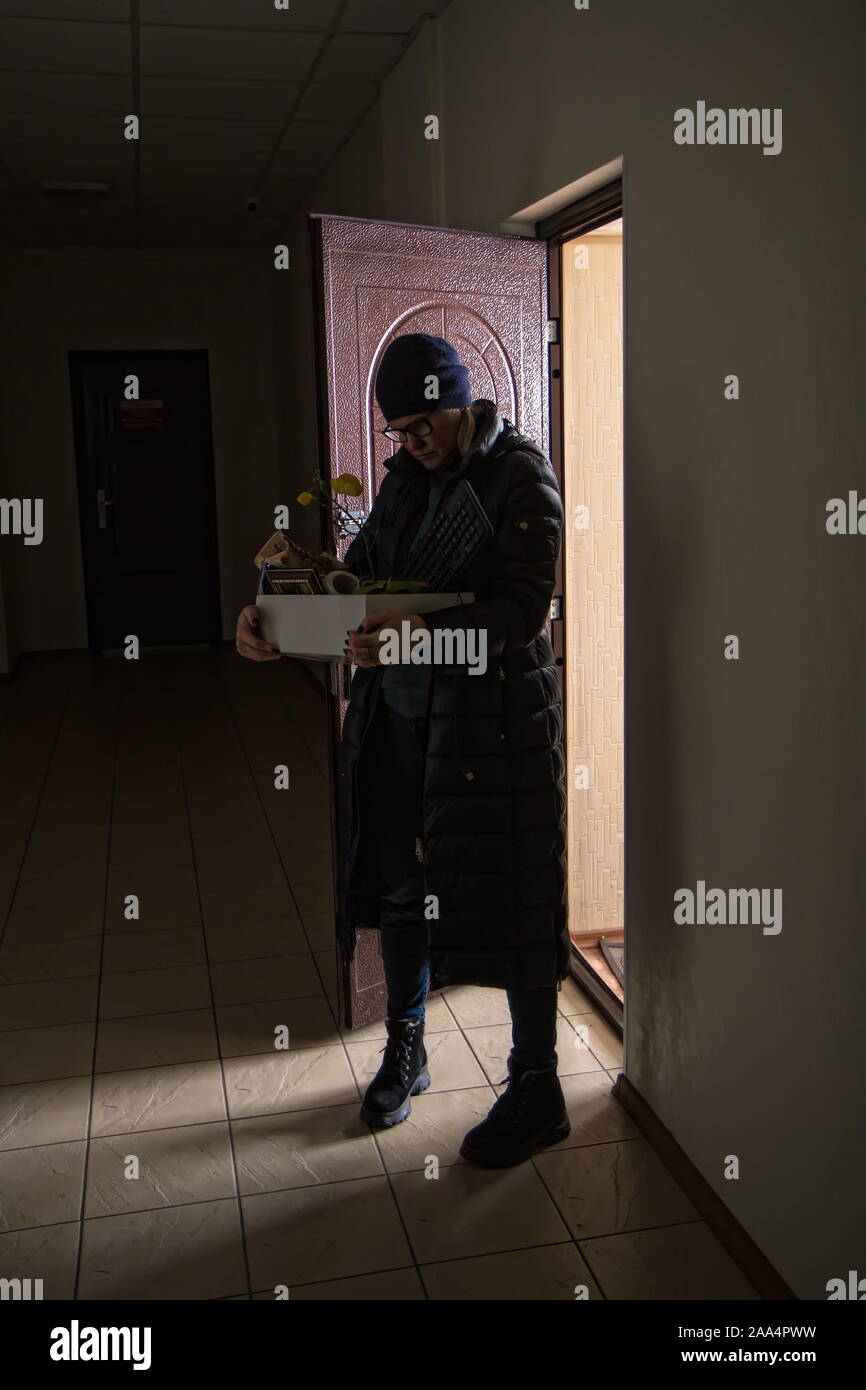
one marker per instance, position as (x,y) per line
(593,536)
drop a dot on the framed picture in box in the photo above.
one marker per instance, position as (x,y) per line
(276,580)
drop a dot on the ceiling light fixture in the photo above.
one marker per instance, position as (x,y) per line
(74,186)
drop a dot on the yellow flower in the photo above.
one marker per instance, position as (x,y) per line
(347,485)
(305,498)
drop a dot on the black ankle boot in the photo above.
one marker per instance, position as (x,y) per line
(528,1116)
(403,1073)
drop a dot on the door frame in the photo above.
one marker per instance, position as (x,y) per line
(585,215)
(77,359)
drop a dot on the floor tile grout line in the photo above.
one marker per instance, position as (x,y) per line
(232,1057)
(322,771)
(311,1187)
(493,1084)
(227,1119)
(288,696)
(334,950)
(562,1216)
(334,1008)
(341,1278)
(37,803)
(576,1241)
(226,693)
(393,1193)
(153,969)
(165,1013)
(219,1056)
(124,936)
(146,969)
(640,1231)
(215,1020)
(345,1050)
(236,1004)
(191,965)
(118,688)
(275,1114)
(584,1255)
(399,1210)
(402,1269)
(142,930)
(513,1250)
(560,1213)
(150,1013)
(460,1028)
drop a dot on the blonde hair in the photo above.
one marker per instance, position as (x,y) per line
(466,429)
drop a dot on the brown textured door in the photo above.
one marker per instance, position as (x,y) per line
(375,281)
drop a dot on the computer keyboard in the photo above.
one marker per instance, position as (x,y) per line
(459,530)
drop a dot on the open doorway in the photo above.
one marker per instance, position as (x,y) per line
(586,287)
(489,294)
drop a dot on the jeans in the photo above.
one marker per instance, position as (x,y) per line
(391,791)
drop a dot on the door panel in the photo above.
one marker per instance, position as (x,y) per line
(146,498)
(375,281)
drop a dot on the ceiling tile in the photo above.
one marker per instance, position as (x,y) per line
(384,16)
(64,94)
(225,54)
(87,134)
(321,138)
(336,101)
(359,57)
(113,223)
(35,162)
(241,14)
(56,46)
(194,135)
(63,220)
(227,190)
(287,181)
(180,96)
(210,164)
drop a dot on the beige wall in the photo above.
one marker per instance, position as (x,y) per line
(741,773)
(60,300)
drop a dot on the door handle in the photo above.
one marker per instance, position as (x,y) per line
(102,505)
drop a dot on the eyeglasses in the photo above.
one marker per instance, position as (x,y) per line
(418,428)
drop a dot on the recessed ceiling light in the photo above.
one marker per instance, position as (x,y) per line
(74,186)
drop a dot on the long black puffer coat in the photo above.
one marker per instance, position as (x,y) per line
(494,788)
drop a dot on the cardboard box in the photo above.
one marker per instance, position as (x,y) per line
(314,626)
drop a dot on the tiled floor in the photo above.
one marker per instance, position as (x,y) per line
(167,912)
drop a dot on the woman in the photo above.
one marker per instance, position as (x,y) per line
(452,796)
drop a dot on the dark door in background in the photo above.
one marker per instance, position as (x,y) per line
(146,498)
(375,281)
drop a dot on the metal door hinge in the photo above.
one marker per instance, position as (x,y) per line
(553,330)
(556,608)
